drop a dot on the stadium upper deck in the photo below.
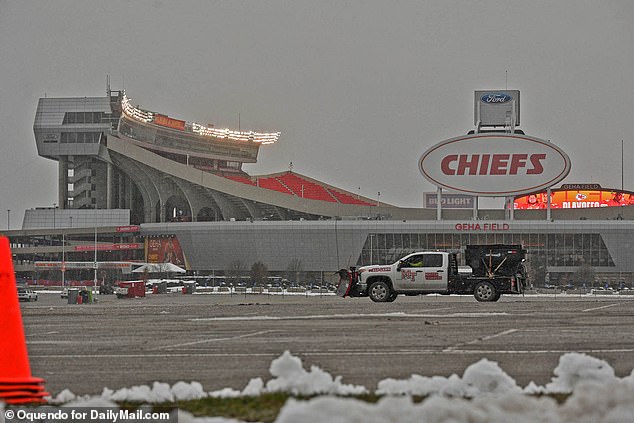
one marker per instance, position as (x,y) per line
(113,154)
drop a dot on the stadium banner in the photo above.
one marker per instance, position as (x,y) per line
(165,250)
(128,228)
(66,265)
(108,247)
(169,122)
(575,199)
(449,201)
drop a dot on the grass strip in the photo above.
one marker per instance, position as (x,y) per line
(264,408)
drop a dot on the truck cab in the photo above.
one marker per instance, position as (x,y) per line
(422,272)
(416,273)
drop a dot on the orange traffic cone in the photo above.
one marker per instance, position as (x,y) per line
(17,386)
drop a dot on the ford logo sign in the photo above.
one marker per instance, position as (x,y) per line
(496,98)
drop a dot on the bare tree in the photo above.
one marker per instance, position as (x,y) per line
(294,270)
(235,270)
(259,273)
(536,269)
(584,275)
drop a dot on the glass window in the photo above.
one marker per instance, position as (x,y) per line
(433,260)
(414,261)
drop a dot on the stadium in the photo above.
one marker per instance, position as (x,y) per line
(137,186)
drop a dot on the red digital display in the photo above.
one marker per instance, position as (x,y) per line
(169,122)
(164,250)
(575,199)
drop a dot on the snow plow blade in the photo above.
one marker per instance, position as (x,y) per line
(345,282)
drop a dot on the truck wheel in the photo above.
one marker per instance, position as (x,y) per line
(485,291)
(379,292)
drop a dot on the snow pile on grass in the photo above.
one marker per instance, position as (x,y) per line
(515,408)
(486,377)
(591,402)
(480,378)
(484,393)
(156,394)
(288,376)
(483,377)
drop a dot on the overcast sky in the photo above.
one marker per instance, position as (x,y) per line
(359,89)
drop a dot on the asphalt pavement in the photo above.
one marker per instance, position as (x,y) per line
(225,340)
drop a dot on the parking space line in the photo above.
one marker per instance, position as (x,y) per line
(348,316)
(478,340)
(360,352)
(187,344)
(598,308)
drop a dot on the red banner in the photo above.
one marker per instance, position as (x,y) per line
(108,247)
(169,122)
(129,228)
(164,250)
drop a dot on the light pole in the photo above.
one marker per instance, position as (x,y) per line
(94,265)
(63,260)
(8,219)
(54,209)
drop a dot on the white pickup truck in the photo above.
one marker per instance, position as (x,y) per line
(26,294)
(490,271)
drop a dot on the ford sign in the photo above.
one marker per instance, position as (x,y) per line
(496,98)
(495,165)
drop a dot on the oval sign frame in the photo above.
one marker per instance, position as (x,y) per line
(505,99)
(556,164)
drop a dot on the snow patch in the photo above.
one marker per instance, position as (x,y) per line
(484,393)
(290,376)
(574,368)
(483,377)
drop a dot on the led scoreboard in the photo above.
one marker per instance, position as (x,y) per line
(575,197)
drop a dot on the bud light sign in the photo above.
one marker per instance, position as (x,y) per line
(496,98)
(494,164)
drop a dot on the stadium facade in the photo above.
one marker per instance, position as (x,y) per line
(177,191)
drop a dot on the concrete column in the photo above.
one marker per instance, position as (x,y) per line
(62,181)
(129,189)
(121,191)
(109,199)
(548,205)
(438,203)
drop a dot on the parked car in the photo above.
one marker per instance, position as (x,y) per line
(106,289)
(25,294)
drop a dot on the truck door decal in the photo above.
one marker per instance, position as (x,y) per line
(408,274)
(433,276)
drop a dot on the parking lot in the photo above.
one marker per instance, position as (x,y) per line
(225,340)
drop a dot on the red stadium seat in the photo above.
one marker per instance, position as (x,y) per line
(291,183)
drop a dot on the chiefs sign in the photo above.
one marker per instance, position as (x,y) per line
(494,164)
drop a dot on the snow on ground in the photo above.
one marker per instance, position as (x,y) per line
(483,394)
